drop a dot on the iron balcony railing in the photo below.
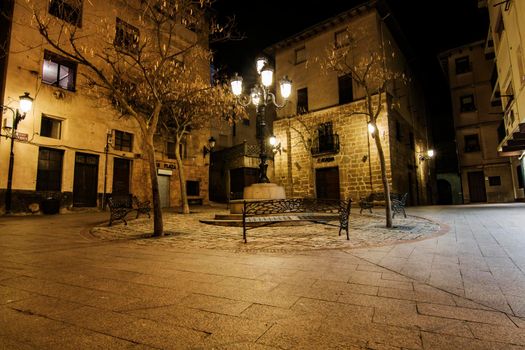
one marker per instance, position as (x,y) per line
(327,144)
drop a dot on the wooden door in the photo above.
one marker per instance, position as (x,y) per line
(85,180)
(121,176)
(476,187)
(327,183)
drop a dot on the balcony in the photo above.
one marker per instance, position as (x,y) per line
(327,144)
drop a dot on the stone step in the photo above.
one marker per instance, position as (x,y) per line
(228,216)
(233,223)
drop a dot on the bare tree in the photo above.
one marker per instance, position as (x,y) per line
(306,133)
(198,106)
(370,71)
(139,64)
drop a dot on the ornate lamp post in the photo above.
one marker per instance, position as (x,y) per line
(260,97)
(26,102)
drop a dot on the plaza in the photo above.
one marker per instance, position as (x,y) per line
(454,278)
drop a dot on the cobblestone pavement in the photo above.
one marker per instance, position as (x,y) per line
(186,231)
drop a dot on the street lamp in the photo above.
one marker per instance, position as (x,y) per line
(26,102)
(260,97)
(429,155)
(207,149)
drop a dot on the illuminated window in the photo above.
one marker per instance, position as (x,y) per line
(59,71)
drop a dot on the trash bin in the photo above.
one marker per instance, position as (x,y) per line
(50,206)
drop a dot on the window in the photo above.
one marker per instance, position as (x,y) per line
(462,65)
(67,10)
(49,173)
(59,71)
(521,176)
(126,37)
(494,181)
(346,93)
(170,150)
(341,38)
(327,141)
(300,55)
(189,20)
(123,141)
(399,135)
(500,27)
(183,149)
(192,188)
(467,103)
(223,140)
(50,127)
(472,143)
(302,101)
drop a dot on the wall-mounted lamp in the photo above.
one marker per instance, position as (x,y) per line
(427,156)
(209,148)
(276,147)
(371,128)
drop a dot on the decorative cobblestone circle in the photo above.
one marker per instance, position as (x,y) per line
(186,231)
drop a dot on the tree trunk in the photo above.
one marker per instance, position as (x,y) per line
(185,208)
(386,186)
(158,228)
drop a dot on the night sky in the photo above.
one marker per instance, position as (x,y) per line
(429,26)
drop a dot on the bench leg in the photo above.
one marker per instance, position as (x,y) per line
(244,231)
(346,229)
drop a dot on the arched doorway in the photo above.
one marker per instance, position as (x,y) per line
(444,192)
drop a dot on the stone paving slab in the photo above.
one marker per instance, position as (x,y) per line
(128,293)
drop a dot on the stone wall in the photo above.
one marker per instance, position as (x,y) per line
(357,160)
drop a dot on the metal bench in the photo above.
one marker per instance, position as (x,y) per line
(398,205)
(378,198)
(120,206)
(260,213)
(143,207)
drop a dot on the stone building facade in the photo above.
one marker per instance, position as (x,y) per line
(506,39)
(485,175)
(326,149)
(70,147)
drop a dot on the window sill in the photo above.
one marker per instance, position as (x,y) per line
(58,86)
